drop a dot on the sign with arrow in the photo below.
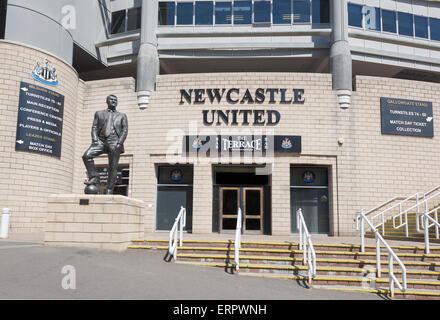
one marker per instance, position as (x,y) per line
(40,120)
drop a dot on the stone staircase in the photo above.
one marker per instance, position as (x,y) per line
(339,266)
(399,234)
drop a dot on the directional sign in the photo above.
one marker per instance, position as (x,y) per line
(40,120)
(407,117)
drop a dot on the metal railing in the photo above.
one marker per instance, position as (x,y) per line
(382,214)
(305,244)
(360,225)
(427,222)
(176,233)
(237,243)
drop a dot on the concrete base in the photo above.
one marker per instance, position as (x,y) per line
(107,222)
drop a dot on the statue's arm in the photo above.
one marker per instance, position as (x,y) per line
(95,128)
(124,129)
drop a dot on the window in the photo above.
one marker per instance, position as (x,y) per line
(372,18)
(118,21)
(435,28)
(354,15)
(421,27)
(405,24)
(242,12)
(126,20)
(389,21)
(204,11)
(320,11)
(134,18)
(261,11)
(167,10)
(301,11)
(3,8)
(282,11)
(185,13)
(223,12)
(122,179)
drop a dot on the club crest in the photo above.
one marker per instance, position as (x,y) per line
(45,73)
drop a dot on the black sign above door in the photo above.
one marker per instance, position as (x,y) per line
(407,117)
(244,143)
(40,120)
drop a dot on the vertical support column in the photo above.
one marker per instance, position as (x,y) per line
(148,59)
(340,55)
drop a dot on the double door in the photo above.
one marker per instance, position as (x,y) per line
(250,200)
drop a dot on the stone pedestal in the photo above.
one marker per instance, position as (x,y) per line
(107,222)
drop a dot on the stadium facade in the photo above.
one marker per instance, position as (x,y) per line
(270,106)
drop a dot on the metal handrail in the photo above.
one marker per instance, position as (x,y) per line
(360,219)
(426,219)
(237,243)
(305,244)
(181,223)
(382,213)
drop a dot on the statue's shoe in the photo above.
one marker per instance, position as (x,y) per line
(94,181)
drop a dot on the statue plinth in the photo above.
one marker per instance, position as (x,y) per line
(107,222)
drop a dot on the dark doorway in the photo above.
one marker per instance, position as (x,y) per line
(244,187)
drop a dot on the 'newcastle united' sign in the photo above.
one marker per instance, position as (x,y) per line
(40,120)
(407,117)
(247,143)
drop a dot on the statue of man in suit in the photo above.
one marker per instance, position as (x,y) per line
(109,132)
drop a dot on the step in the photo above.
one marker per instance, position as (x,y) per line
(297,264)
(286,246)
(299,253)
(409,294)
(346,280)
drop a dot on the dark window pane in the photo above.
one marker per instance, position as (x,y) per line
(134,19)
(184,13)
(320,11)
(118,22)
(3,8)
(166,13)
(389,21)
(435,28)
(354,15)
(223,12)
(204,12)
(421,26)
(372,18)
(262,11)
(405,23)
(242,12)
(301,11)
(282,11)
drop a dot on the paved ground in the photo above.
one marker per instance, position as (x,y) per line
(33,271)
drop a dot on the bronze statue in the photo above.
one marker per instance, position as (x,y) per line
(109,132)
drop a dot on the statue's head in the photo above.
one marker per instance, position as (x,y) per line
(112,102)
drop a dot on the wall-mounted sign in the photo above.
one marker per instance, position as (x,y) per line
(245,143)
(45,73)
(40,120)
(407,117)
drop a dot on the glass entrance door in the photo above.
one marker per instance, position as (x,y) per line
(253,209)
(250,200)
(229,204)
